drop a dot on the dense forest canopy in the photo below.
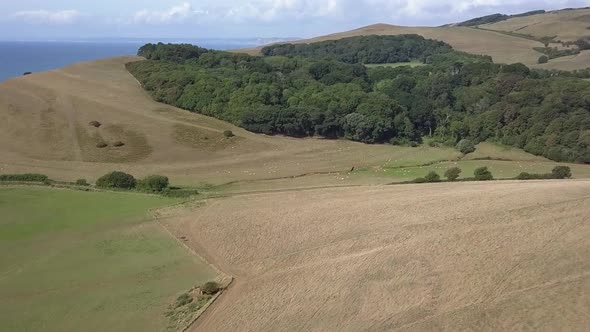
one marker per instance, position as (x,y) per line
(364,49)
(453,96)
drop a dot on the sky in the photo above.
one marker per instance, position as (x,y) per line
(73,19)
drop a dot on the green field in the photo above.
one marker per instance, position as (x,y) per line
(88,261)
(397,64)
(504,162)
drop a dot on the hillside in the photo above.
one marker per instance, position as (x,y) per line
(44,127)
(357,88)
(507,43)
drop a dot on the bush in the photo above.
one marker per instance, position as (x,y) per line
(117,180)
(101,145)
(453,173)
(118,144)
(465,146)
(432,177)
(210,288)
(82,182)
(183,300)
(95,124)
(483,174)
(562,172)
(228,134)
(543,59)
(154,183)
(27,177)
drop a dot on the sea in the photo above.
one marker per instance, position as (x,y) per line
(18,57)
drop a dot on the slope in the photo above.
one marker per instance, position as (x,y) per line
(507,41)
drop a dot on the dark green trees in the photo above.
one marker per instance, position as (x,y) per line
(453,173)
(116,180)
(153,183)
(543,59)
(465,146)
(483,174)
(323,89)
(562,172)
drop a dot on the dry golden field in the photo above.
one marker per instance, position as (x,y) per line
(499,256)
(565,25)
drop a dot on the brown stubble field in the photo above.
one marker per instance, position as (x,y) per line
(470,256)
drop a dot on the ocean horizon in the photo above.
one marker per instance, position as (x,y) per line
(19,57)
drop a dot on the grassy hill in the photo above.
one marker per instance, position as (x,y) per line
(44,128)
(509,41)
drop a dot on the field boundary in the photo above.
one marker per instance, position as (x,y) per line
(224,279)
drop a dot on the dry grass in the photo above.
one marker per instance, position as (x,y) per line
(566,25)
(468,256)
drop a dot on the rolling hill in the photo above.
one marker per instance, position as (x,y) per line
(509,41)
(45,128)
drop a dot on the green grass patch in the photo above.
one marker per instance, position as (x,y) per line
(96,261)
(424,154)
(500,169)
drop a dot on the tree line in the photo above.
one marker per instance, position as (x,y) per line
(453,96)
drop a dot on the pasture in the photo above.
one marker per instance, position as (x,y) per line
(88,261)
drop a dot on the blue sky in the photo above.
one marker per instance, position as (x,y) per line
(66,19)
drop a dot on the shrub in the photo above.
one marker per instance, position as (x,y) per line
(432,177)
(453,173)
(154,183)
(543,59)
(118,144)
(524,176)
(101,145)
(483,174)
(95,124)
(465,146)
(419,180)
(183,300)
(533,176)
(228,134)
(82,182)
(116,179)
(210,288)
(562,172)
(27,177)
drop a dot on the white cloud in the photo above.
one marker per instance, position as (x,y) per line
(174,14)
(48,17)
(273,10)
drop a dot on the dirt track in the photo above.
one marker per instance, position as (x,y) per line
(467,256)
